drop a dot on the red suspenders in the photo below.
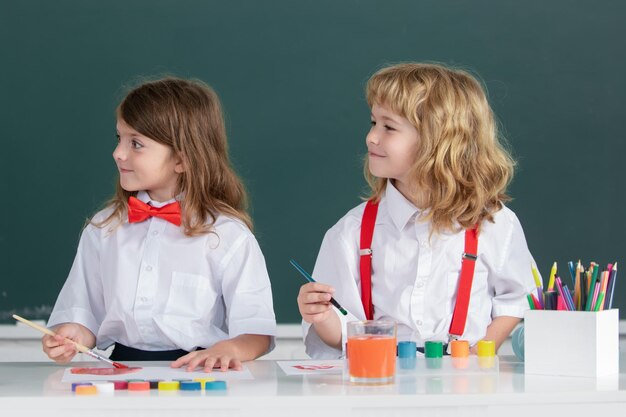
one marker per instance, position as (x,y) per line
(459,317)
(365,252)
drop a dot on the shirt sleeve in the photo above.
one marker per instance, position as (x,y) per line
(513,278)
(337,266)
(247,291)
(81,298)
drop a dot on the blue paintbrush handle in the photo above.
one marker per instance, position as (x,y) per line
(310,279)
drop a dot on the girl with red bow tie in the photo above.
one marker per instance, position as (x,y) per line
(170,269)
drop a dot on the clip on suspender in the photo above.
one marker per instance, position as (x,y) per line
(468,264)
(365,254)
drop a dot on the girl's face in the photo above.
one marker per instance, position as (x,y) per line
(391,143)
(145,164)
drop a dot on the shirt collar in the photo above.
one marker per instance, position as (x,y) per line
(400,209)
(144,197)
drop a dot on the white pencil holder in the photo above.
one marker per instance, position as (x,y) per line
(571,343)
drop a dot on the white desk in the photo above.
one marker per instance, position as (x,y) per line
(27,388)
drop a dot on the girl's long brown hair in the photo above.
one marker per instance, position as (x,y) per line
(460,164)
(186,115)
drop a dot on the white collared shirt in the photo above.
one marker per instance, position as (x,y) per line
(149,286)
(414,279)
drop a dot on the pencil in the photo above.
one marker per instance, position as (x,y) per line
(79,347)
(611,287)
(572,272)
(310,279)
(568,298)
(551,280)
(535,302)
(598,306)
(577,295)
(593,295)
(561,291)
(538,282)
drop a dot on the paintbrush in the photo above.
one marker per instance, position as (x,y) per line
(310,279)
(79,347)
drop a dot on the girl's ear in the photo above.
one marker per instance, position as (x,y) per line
(180,166)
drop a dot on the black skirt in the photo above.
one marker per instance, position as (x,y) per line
(123,353)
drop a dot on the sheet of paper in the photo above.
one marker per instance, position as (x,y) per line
(159,372)
(311,367)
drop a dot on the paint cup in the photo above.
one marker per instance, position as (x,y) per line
(407,355)
(169,385)
(517,342)
(371,351)
(104,387)
(433,352)
(486,353)
(459,350)
(433,349)
(86,390)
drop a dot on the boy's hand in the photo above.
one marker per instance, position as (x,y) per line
(314,302)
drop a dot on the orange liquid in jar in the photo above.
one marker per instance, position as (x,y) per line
(371,356)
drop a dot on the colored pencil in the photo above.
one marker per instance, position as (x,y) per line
(611,287)
(568,298)
(572,272)
(577,287)
(535,302)
(593,297)
(536,276)
(560,289)
(552,275)
(598,306)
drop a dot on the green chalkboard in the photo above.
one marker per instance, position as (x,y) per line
(291,76)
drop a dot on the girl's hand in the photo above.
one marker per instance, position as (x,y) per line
(61,350)
(222,355)
(314,302)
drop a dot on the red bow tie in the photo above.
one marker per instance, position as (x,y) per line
(139,211)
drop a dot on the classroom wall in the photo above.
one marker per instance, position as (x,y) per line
(291,78)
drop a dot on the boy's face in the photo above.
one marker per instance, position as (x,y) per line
(391,143)
(145,164)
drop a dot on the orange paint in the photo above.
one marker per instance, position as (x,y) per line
(372,356)
(459,348)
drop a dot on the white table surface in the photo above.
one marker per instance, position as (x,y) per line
(29,388)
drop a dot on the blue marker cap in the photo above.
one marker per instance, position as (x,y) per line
(407,349)
(190,385)
(215,385)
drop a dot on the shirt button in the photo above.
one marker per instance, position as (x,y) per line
(144,299)
(148,268)
(420,284)
(155,233)
(418,322)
